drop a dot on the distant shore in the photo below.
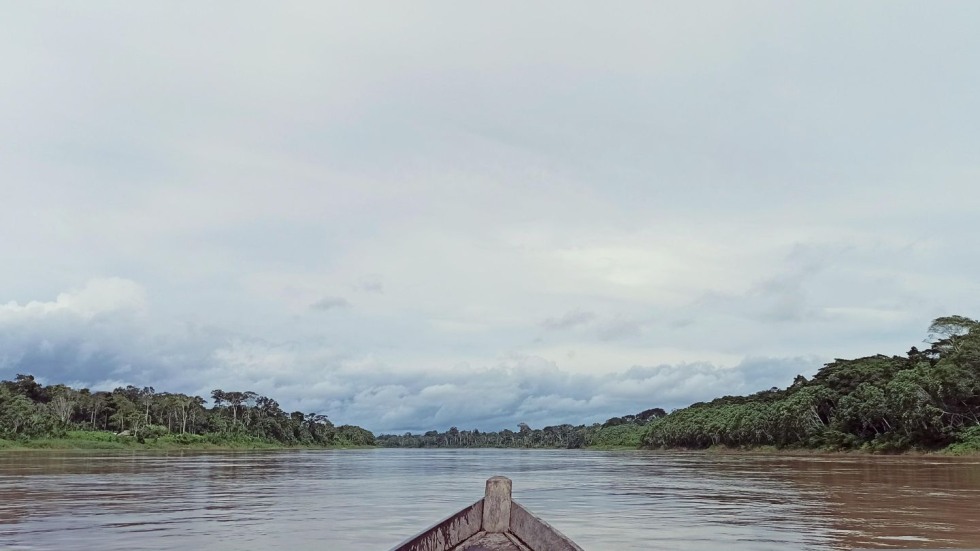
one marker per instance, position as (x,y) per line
(111,443)
(817,452)
(67,445)
(106,441)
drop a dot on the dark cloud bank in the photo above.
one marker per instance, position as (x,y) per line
(80,341)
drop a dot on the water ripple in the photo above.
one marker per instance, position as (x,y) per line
(371,499)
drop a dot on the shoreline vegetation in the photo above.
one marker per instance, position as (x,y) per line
(925,402)
(108,441)
(57,416)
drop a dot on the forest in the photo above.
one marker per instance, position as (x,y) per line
(926,400)
(59,415)
(618,432)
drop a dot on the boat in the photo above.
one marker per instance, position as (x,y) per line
(494,523)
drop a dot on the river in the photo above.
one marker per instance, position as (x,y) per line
(373,499)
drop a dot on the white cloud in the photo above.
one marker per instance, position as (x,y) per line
(97,297)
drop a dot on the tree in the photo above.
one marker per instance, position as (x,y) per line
(351,435)
(63,402)
(613,421)
(649,414)
(91,405)
(146,395)
(26,386)
(218,397)
(864,411)
(951,329)
(126,413)
(15,413)
(28,410)
(912,408)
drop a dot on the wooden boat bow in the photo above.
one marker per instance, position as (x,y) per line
(494,523)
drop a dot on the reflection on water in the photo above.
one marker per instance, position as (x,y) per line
(372,499)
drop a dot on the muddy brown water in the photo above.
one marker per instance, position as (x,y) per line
(373,499)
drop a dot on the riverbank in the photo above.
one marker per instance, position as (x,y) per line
(950,451)
(68,444)
(107,441)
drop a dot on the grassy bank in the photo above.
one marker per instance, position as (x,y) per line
(97,440)
(952,450)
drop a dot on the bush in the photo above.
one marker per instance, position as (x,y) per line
(154,431)
(622,435)
(968,441)
(92,435)
(185,439)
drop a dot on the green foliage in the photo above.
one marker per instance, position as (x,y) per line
(92,436)
(626,431)
(350,435)
(57,416)
(967,441)
(153,431)
(927,400)
(619,436)
(185,439)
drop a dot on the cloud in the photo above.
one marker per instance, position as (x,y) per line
(501,396)
(570,319)
(100,331)
(518,221)
(113,348)
(330,303)
(96,298)
(370,284)
(620,328)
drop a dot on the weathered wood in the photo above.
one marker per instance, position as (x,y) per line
(495,523)
(536,533)
(485,541)
(448,533)
(496,505)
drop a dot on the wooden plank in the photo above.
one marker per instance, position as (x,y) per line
(447,533)
(495,523)
(485,541)
(536,533)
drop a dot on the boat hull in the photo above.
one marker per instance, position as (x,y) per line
(494,523)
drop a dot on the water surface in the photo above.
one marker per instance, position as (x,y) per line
(372,499)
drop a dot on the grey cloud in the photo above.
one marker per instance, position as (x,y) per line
(118,349)
(783,299)
(620,328)
(370,284)
(95,334)
(777,298)
(572,318)
(329,303)
(822,297)
(506,397)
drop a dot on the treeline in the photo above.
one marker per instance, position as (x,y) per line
(625,431)
(928,399)
(30,410)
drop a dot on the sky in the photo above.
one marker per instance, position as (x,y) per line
(416,215)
